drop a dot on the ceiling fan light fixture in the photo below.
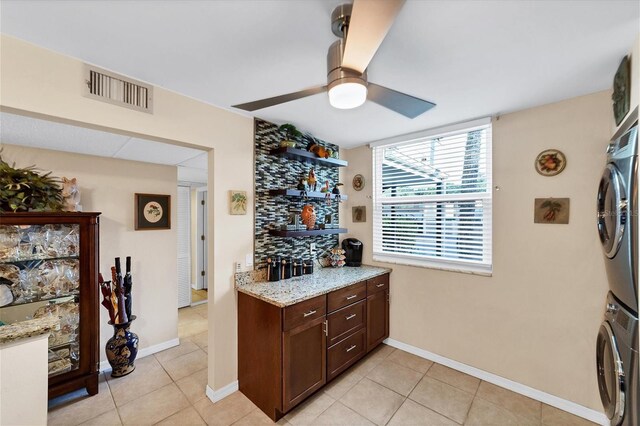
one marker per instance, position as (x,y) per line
(347,94)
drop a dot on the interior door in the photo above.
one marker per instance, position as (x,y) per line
(184,246)
(611,380)
(612,210)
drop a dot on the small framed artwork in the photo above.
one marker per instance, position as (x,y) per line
(328,220)
(359,214)
(293,220)
(238,202)
(550,162)
(551,210)
(152,211)
(358,182)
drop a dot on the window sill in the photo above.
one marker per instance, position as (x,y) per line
(440,266)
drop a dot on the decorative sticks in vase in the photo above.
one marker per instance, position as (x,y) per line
(117,293)
(122,348)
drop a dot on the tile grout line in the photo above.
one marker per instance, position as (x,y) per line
(112,400)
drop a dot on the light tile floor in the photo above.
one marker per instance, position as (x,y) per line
(388,386)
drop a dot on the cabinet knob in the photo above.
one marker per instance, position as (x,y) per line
(380,285)
(351,348)
(306,314)
(352,316)
(353,296)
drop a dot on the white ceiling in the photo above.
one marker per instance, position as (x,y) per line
(36,133)
(472,58)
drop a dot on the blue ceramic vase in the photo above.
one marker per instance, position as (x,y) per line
(122,349)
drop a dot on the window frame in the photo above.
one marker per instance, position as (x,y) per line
(484,267)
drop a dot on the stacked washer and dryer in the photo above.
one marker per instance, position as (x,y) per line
(617,345)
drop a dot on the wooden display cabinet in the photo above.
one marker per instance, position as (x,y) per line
(53,270)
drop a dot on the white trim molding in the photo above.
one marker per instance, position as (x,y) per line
(223,392)
(538,395)
(149,350)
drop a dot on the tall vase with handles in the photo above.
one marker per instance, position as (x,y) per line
(122,349)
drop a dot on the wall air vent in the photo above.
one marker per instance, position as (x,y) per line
(115,89)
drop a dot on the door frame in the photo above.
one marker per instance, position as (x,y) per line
(201,246)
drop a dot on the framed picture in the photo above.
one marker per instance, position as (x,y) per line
(237,202)
(358,182)
(359,214)
(328,220)
(550,162)
(551,210)
(152,211)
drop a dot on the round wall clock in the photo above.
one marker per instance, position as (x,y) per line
(358,182)
(550,162)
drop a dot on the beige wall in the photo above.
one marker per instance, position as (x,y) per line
(39,82)
(536,319)
(108,185)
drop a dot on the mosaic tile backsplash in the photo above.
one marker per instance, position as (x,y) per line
(273,172)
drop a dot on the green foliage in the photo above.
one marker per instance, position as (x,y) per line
(291,131)
(27,190)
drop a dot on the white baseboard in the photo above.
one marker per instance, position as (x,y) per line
(223,392)
(149,350)
(562,404)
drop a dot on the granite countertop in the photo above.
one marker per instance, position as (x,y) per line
(288,292)
(29,328)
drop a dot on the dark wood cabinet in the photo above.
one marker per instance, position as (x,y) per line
(62,249)
(304,361)
(377,318)
(286,354)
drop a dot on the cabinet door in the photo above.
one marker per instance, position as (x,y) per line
(305,362)
(377,318)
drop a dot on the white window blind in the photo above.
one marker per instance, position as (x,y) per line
(432,200)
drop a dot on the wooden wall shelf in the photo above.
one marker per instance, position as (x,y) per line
(307,157)
(310,194)
(283,233)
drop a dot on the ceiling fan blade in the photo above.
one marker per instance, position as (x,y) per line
(276,100)
(369,24)
(404,104)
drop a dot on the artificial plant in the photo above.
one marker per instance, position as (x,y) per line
(290,131)
(27,190)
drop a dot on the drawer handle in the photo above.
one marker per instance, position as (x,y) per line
(352,297)
(380,285)
(351,348)
(306,314)
(352,316)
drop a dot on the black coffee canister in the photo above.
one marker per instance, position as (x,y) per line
(297,268)
(308,267)
(286,268)
(273,269)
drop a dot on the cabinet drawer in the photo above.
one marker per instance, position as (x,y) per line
(377,284)
(346,296)
(302,312)
(343,354)
(345,321)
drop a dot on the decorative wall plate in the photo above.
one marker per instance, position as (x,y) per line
(358,182)
(550,162)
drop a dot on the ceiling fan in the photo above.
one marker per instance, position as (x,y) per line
(361,28)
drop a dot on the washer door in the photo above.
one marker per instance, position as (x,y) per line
(612,210)
(611,380)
